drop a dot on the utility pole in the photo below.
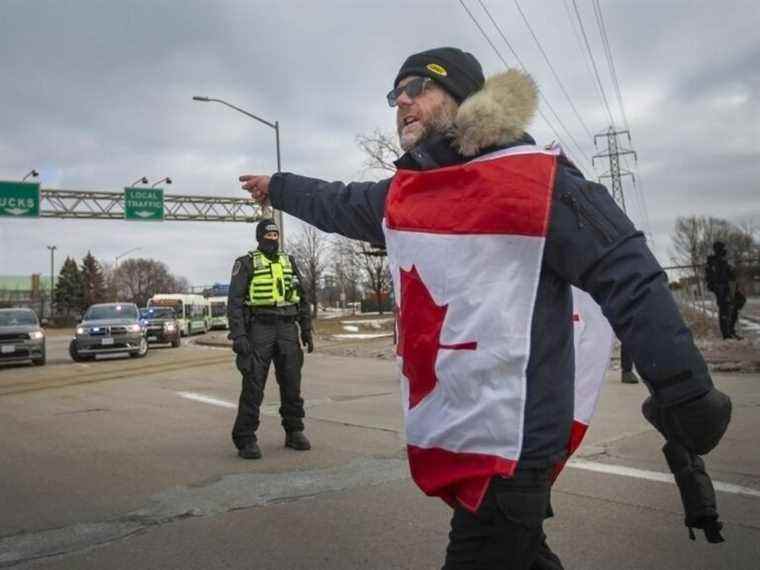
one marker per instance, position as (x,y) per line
(52,249)
(614,152)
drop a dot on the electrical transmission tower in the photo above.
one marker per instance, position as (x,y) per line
(614,152)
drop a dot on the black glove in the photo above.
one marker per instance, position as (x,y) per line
(307,340)
(240,345)
(694,484)
(698,425)
(697,492)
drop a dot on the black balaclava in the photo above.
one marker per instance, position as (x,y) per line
(719,248)
(267,246)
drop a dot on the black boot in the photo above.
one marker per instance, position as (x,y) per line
(250,451)
(297,440)
(629,377)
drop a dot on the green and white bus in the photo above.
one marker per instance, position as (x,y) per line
(192,311)
(218,312)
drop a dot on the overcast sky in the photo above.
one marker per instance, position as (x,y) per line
(97,94)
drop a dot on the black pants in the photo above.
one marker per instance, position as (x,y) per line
(271,339)
(506,533)
(736,306)
(725,314)
(626,360)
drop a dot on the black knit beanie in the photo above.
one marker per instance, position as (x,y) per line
(457,71)
(265,226)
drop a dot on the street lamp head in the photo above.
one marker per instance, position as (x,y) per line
(199,98)
(33,173)
(164,179)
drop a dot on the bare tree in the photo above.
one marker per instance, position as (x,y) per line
(310,251)
(374,262)
(381,150)
(347,268)
(137,280)
(693,238)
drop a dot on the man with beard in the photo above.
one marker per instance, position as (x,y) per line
(265,302)
(485,234)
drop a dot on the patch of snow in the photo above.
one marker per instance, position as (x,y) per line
(360,336)
(374,323)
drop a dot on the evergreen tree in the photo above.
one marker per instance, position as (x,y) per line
(69,289)
(93,281)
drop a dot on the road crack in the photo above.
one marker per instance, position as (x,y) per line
(220,495)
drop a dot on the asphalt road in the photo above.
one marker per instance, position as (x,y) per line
(127,463)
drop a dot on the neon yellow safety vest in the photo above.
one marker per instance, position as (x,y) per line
(272,282)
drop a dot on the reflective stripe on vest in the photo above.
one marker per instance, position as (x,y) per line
(272,282)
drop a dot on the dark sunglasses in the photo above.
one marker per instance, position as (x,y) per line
(413,89)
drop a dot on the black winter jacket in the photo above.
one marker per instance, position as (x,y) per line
(590,244)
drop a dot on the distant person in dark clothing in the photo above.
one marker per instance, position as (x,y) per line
(721,280)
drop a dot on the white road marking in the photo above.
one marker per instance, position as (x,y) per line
(268,409)
(656,476)
(575,463)
(207,400)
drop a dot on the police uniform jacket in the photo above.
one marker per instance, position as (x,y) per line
(239,313)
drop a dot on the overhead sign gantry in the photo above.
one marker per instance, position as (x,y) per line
(27,200)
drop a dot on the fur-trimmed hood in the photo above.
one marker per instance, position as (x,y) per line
(496,115)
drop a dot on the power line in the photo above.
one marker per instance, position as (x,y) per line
(498,54)
(554,73)
(639,194)
(581,50)
(522,65)
(593,62)
(610,61)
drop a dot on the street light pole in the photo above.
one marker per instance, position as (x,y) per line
(52,249)
(118,257)
(276,127)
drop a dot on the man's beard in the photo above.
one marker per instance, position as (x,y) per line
(441,123)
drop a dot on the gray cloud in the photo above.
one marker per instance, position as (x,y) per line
(96,94)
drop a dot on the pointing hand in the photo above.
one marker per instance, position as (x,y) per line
(258,186)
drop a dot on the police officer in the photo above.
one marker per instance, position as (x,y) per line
(265,302)
(721,280)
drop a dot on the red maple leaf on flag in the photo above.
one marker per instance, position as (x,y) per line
(419,339)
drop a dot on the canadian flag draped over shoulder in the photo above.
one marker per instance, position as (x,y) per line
(465,246)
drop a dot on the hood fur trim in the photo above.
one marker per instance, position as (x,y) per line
(496,115)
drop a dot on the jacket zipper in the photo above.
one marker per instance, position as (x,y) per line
(582,215)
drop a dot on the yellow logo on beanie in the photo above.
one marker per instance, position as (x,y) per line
(437,69)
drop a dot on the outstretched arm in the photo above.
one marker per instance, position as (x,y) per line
(354,210)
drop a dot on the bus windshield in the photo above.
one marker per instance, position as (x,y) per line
(218,309)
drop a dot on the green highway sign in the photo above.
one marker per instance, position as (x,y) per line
(19,199)
(144,204)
